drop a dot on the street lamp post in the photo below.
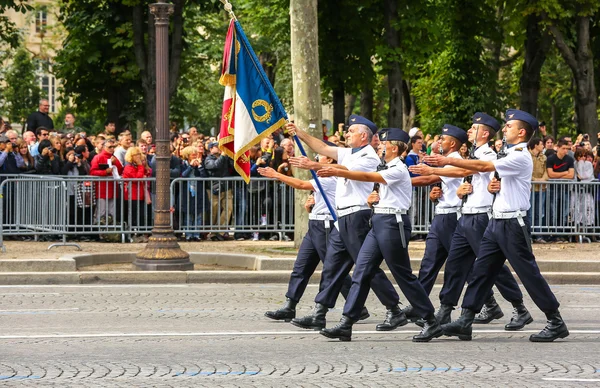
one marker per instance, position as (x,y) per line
(162,251)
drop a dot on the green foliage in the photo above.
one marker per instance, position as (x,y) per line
(22,92)
(8,31)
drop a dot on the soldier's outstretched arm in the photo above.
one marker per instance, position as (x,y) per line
(315,144)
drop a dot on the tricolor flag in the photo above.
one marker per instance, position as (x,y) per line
(251,109)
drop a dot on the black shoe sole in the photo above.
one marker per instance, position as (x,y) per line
(341,338)
(390,328)
(364,316)
(278,319)
(462,337)
(564,334)
(427,339)
(497,316)
(515,328)
(317,328)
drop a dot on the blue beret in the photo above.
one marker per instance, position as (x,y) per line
(394,134)
(485,119)
(356,119)
(455,132)
(515,114)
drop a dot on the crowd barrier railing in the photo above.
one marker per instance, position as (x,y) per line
(68,207)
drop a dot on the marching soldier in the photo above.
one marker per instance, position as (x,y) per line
(387,240)
(507,236)
(353,224)
(475,212)
(314,245)
(437,243)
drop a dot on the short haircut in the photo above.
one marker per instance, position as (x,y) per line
(549,137)
(562,142)
(534,141)
(491,131)
(414,139)
(173,137)
(123,135)
(188,151)
(38,131)
(364,129)
(527,127)
(108,121)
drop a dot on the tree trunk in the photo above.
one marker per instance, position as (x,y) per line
(409,106)
(307,90)
(581,62)
(268,61)
(339,103)
(537,44)
(394,73)
(115,104)
(366,103)
(554,121)
(350,102)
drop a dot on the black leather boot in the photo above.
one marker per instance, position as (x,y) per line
(410,314)
(462,327)
(314,321)
(341,331)
(520,318)
(394,318)
(286,313)
(556,328)
(431,330)
(442,315)
(489,312)
(364,314)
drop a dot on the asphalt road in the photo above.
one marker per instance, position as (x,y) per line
(216,335)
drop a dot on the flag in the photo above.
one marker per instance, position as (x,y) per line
(251,109)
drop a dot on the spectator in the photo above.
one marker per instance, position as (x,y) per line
(217,166)
(8,157)
(75,165)
(288,146)
(569,141)
(542,128)
(98,146)
(41,133)
(103,165)
(137,195)
(109,129)
(537,211)
(582,200)
(47,161)
(560,166)
(70,127)
(414,155)
(464,151)
(40,118)
(549,146)
(60,151)
(124,145)
(28,165)
(498,145)
(280,162)
(415,131)
(29,138)
(143,146)
(12,136)
(260,200)
(193,203)
(146,136)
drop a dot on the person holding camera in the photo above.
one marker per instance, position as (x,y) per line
(220,192)
(47,161)
(75,165)
(8,156)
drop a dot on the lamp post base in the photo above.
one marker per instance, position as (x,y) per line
(162,253)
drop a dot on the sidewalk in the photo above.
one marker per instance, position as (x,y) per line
(232,262)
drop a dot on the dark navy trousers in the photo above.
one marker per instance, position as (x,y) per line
(502,240)
(312,251)
(437,246)
(463,252)
(383,242)
(344,246)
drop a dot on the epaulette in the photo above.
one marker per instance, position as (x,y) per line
(519,149)
(489,152)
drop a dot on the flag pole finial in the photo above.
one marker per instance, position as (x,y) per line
(229,8)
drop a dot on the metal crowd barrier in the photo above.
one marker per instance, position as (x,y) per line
(64,207)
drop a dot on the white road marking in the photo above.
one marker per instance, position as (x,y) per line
(37,310)
(30,293)
(246,334)
(567,379)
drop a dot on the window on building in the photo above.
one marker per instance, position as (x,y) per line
(41,19)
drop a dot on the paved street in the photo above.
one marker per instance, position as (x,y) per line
(216,335)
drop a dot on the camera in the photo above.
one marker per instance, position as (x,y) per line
(51,149)
(586,137)
(78,156)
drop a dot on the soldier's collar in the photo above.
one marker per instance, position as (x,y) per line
(354,150)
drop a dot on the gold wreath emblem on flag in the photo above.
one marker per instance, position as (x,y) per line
(268,110)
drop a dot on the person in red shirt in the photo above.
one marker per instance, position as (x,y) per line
(137,195)
(106,190)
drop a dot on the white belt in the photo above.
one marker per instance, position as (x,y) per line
(446,210)
(388,210)
(476,210)
(320,217)
(508,215)
(350,210)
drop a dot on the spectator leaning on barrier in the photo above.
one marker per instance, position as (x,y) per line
(221,193)
(106,191)
(537,211)
(560,166)
(75,165)
(59,150)
(28,166)
(137,195)
(582,200)
(8,157)
(414,155)
(549,146)
(40,118)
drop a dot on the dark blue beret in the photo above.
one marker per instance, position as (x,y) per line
(485,119)
(455,132)
(515,114)
(394,134)
(356,119)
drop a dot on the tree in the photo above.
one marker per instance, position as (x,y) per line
(392,38)
(22,93)
(8,31)
(569,24)
(307,89)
